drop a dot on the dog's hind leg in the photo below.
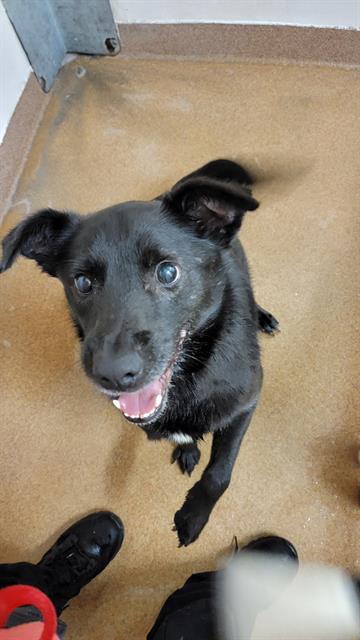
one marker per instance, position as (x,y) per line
(187,456)
(267,322)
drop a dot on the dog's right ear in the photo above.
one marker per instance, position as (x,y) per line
(43,237)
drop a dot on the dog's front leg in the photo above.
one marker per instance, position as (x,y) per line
(201,499)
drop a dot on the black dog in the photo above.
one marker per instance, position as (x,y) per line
(161,297)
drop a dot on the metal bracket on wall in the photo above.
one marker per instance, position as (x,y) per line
(48,29)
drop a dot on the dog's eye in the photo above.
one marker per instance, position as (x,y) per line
(83,283)
(167,273)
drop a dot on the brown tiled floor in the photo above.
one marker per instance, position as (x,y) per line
(127,130)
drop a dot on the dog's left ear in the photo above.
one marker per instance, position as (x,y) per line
(43,237)
(214,208)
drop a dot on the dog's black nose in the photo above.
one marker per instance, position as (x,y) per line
(118,373)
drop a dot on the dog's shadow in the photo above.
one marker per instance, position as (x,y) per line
(121,460)
(37,329)
(337,468)
(335,450)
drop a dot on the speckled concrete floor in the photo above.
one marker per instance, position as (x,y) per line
(126,129)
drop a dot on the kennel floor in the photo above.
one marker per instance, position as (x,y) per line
(119,129)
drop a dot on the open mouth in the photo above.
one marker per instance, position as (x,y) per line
(147,404)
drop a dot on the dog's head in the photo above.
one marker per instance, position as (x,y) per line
(140,278)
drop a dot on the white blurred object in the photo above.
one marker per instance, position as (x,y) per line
(319,603)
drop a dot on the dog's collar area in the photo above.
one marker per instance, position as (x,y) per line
(145,405)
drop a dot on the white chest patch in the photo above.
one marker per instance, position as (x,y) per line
(181,438)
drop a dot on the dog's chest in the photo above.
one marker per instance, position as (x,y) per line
(180,438)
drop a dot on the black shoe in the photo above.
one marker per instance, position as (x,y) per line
(286,563)
(79,555)
(276,546)
(263,568)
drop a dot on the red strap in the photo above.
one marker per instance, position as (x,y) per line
(19,596)
(28,631)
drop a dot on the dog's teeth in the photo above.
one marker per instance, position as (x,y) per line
(116,403)
(158,400)
(127,415)
(182,333)
(146,415)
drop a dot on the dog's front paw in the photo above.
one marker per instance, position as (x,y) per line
(267,322)
(186,457)
(190,520)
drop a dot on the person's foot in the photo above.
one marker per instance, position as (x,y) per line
(79,555)
(272,555)
(259,572)
(275,546)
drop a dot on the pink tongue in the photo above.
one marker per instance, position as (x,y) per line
(142,401)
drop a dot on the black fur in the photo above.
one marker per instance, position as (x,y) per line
(128,322)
